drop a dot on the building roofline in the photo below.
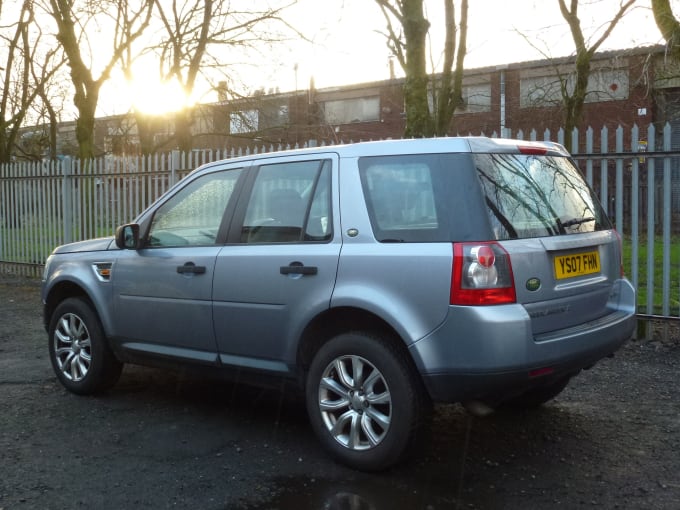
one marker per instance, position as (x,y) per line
(527,64)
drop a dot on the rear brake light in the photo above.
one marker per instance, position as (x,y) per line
(539,372)
(482,275)
(532,151)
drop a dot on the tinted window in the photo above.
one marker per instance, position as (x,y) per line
(406,196)
(534,196)
(402,196)
(192,217)
(290,202)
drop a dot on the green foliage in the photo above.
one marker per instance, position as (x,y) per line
(658,273)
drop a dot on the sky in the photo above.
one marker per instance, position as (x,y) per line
(346,47)
(349,48)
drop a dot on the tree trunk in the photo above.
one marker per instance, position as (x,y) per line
(183,135)
(450,92)
(668,25)
(573,103)
(5,152)
(86,104)
(418,117)
(145,132)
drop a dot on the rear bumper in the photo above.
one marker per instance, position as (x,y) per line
(482,352)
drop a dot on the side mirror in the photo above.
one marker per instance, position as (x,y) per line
(127,236)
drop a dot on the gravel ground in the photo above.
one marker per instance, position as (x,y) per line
(167,440)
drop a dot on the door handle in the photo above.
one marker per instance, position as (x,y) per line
(298,268)
(190,268)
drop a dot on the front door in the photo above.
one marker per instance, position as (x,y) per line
(163,291)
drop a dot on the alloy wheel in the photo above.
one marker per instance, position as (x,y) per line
(355,402)
(72,347)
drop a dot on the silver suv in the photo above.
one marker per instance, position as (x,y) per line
(381,276)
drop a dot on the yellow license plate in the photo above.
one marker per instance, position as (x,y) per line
(577,264)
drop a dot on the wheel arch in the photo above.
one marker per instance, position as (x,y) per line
(339,320)
(61,291)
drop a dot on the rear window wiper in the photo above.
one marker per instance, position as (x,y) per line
(574,221)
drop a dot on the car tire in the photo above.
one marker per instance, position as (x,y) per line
(79,352)
(365,402)
(536,397)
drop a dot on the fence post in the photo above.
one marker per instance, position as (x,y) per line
(174,166)
(634,210)
(604,171)
(619,180)
(667,186)
(574,141)
(67,199)
(651,212)
(589,150)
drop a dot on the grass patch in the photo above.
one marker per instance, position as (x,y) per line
(658,277)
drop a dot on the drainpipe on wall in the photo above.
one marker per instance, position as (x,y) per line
(502,69)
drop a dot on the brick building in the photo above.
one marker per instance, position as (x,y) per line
(627,87)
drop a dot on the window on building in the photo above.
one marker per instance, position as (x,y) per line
(244,121)
(476,98)
(603,85)
(347,111)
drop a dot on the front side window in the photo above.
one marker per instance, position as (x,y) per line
(193,216)
(290,203)
(533,196)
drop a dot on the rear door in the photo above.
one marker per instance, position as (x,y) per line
(279,267)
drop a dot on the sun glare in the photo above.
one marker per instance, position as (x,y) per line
(152,96)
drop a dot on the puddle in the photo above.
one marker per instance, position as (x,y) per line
(370,493)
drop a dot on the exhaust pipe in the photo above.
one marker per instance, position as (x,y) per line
(478,408)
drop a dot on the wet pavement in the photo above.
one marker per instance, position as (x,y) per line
(172,440)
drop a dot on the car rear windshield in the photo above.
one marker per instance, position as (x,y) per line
(535,196)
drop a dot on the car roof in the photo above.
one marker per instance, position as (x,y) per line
(465,144)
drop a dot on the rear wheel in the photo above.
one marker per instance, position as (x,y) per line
(80,355)
(364,400)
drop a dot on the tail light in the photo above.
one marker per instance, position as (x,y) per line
(532,150)
(482,275)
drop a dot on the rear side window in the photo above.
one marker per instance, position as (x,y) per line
(400,196)
(422,198)
(535,196)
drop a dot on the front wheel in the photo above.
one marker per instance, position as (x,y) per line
(364,400)
(79,352)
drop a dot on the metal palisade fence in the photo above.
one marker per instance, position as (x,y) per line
(635,172)
(49,203)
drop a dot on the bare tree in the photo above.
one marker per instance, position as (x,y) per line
(74,19)
(574,95)
(668,24)
(197,36)
(407,32)
(26,71)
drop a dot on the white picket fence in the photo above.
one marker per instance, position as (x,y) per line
(45,204)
